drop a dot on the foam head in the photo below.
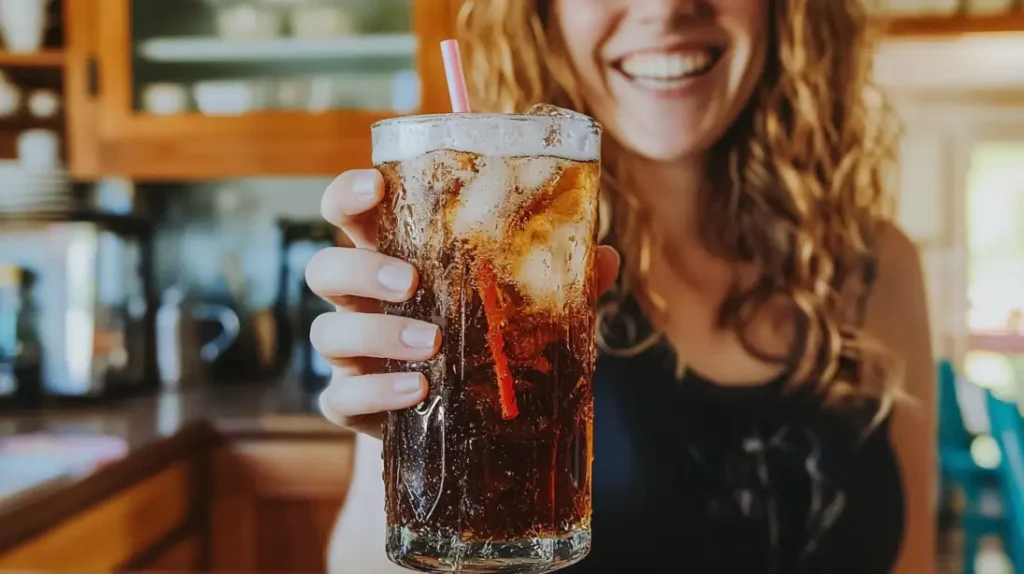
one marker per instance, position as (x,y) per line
(569,136)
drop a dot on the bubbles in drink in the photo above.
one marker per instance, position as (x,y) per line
(499,217)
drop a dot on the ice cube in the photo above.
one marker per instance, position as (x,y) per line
(534,173)
(551,273)
(554,111)
(480,201)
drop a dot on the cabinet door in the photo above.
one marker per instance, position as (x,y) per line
(274,503)
(193,89)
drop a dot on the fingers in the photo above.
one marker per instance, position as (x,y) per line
(608,262)
(350,397)
(340,272)
(350,202)
(346,335)
(361,403)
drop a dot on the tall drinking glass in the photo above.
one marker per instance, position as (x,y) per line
(498,213)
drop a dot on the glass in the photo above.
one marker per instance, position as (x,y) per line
(498,213)
(236,57)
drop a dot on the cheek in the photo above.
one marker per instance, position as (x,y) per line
(748,24)
(583,28)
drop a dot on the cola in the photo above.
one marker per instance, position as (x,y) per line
(498,213)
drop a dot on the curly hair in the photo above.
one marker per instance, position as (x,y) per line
(797,186)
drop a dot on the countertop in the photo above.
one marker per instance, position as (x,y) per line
(141,421)
(105,446)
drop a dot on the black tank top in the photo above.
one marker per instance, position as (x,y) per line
(696,478)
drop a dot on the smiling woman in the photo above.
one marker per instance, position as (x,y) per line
(666,80)
(768,320)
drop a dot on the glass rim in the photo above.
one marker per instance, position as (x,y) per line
(427,119)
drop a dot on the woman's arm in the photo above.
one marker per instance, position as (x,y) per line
(897,315)
(357,545)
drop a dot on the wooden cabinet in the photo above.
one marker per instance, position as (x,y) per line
(158,63)
(274,503)
(182,554)
(203,500)
(112,532)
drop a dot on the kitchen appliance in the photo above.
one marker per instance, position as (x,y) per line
(314,370)
(297,306)
(182,353)
(20,368)
(94,320)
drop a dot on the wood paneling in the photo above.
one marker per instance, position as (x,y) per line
(274,503)
(955,25)
(114,531)
(184,555)
(292,535)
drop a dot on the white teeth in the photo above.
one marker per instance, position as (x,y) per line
(667,67)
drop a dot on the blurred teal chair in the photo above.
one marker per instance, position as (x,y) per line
(1008,430)
(959,472)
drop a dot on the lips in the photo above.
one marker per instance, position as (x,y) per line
(669,68)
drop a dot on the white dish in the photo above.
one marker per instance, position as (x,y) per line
(229,97)
(248,21)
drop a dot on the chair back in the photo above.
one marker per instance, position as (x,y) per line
(1008,430)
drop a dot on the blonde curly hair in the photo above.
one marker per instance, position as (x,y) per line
(799,189)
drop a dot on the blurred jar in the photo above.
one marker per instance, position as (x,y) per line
(246,20)
(321,19)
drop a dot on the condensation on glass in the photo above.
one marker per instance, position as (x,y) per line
(498,213)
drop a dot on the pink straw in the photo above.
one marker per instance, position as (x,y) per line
(456,76)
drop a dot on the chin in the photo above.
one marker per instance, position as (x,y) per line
(667,149)
(664,141)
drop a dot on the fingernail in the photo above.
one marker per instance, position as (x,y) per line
(408,384)
(420,336)
(397,277)
(365,184)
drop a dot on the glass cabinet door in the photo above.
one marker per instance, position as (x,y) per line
(229,58)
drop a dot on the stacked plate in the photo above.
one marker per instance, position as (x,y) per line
(26,190)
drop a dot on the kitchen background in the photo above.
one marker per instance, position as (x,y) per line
(161,165)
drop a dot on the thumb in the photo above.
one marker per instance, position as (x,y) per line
(607,263)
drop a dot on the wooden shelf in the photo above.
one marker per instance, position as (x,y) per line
(955,25)
(23,122)
(41,59)
(195,50)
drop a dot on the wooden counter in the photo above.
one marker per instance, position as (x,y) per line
(214,481)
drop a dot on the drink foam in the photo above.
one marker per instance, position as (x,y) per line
(570,136)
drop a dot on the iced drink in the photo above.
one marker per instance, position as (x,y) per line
(498,213)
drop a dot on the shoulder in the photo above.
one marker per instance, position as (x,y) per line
(897,318)
(899,273)
(897,308)
(898,293)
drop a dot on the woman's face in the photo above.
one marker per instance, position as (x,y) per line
(666,77)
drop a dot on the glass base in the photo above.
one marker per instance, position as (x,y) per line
(427,553)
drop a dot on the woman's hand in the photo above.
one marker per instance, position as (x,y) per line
(357,336)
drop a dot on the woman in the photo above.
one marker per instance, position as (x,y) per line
(772,410)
